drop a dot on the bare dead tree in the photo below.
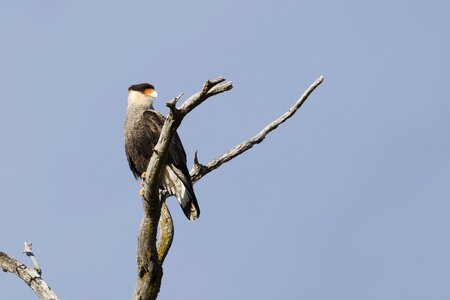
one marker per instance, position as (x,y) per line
(151,252)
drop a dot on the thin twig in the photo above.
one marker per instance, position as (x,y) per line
(31,276)
(216,86)
(199,170)
(28,250)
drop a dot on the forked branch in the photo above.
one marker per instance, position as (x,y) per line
(199,170)
(31,276)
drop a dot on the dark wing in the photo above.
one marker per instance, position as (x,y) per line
(133,168)
(138,143)
(153,123)
(176,160)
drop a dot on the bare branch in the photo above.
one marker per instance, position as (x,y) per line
(31,276)
(28,250)
(215,87)
(199,170)
(220,89)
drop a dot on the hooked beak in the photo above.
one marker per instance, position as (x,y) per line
(151,92)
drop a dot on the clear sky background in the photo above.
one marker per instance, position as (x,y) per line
(350,199)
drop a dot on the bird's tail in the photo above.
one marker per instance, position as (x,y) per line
(178,184)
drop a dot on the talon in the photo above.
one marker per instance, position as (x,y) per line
(141,192)
(143,175)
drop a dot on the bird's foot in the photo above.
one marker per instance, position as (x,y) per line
(142,192)
(143,175)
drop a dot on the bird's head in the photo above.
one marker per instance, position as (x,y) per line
(142,94)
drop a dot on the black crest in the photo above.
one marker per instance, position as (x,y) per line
(141,87)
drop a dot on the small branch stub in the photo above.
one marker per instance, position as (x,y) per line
(171,104)
(28,250)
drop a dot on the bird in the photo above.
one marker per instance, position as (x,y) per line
(141,132)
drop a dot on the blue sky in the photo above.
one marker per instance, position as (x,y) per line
(347,200)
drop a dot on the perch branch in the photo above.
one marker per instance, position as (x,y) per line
(199,170)
(31,276)
(28,250)
(149,260)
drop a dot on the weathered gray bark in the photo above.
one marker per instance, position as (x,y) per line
(150,254)
(31,276)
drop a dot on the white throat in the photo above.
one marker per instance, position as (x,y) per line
(139,100)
